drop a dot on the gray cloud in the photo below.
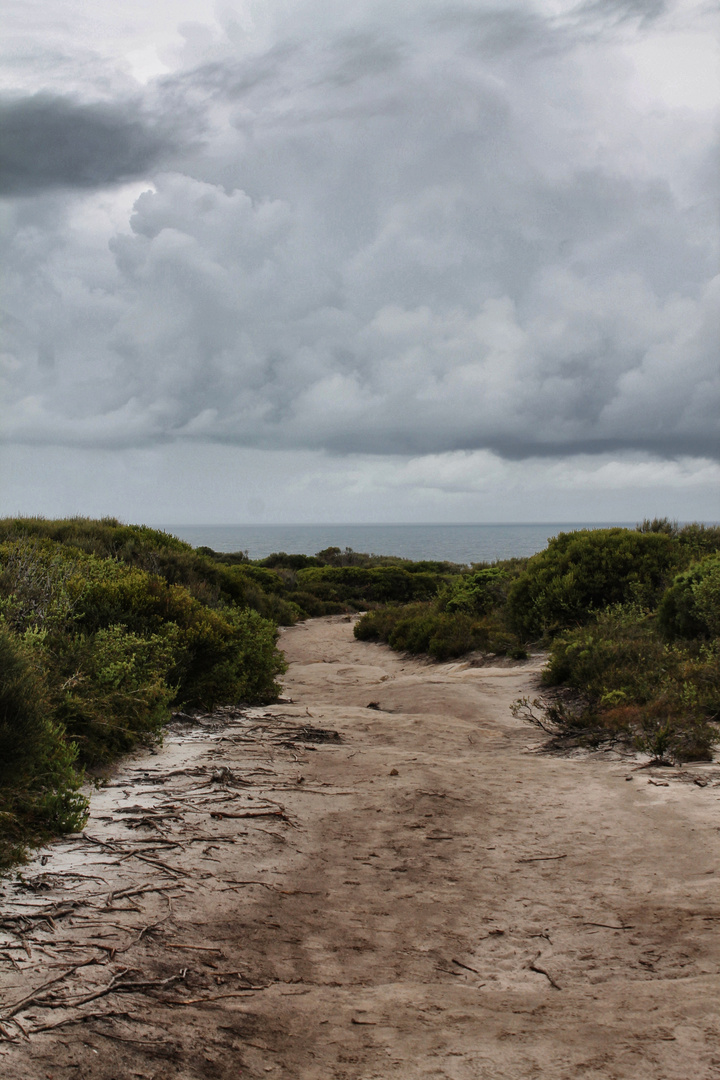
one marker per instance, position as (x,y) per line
(647,11)
(421,233)
(48,142)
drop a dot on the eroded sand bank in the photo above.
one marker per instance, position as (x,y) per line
(427,897)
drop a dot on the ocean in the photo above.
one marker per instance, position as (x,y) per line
(454,543)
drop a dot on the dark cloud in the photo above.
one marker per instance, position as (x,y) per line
(647,11)
(499,32)
(426,233)
(48,142)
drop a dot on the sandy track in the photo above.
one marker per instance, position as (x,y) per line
(426,898)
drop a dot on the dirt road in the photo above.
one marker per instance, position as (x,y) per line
(424,896)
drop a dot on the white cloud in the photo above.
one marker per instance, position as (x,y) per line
(420,230)
(211,483)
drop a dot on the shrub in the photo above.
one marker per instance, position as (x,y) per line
(429,628)
(477,593)
(38,778)
(582,572)
(36,585)
(697,540)
(615,658)
(121,643)
(112,690)
(361,585)
(453,636)
(309,604)
(690,608)
(290,562)
(227,658)
(103,628)
(377,625)
(666,695)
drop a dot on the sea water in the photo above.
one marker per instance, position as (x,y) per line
(454,543)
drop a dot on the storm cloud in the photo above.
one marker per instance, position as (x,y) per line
(48,141)
(420,231)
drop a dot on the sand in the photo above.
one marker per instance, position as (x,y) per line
(423,895)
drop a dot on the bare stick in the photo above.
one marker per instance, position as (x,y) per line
(465,966)
(191,948)
(135,855)
(264,884)
(80,1020)
(533,966)
(33,995)
(608,926)
(249,814)
(542,858)
(122,894)
(117,987)
(214,997)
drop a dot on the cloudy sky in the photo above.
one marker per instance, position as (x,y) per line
(419,260)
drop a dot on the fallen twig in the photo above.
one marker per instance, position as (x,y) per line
(264,884)
(122,894)
(134,854)
(542,858)
(533,966)
(80,1020)
(191,948)
(39,990)
(465,966)
(117,987)
(608,926)
(213,997)
(251,814)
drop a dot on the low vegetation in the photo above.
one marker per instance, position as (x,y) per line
(468,613)
(631,619)
(107,628)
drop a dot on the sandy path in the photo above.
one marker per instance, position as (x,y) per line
(438,901)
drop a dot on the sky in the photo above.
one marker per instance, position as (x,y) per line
(301,261)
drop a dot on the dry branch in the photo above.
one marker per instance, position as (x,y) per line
(250,814)
(533,966)
(542,858)
(128,853)
(39,990)
(80,1020)
(115,986)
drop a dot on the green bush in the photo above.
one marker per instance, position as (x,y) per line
(667,696)
(213,578)
(228,657)
(280,559)
(103,618)
(454,636)
(103,628)
(37,585)
(311,605)
(112,690)
(477,593)
(413,630)
(362,585)
(39,779)
(444,635)
(377,625)
(613,659)
(690,608)
(697,540)
(580,573)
